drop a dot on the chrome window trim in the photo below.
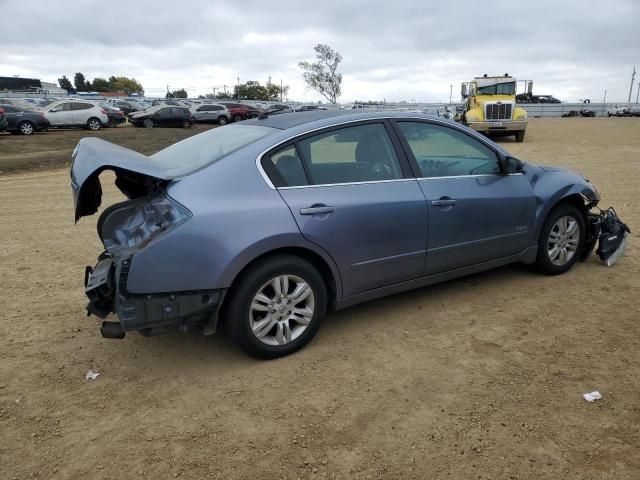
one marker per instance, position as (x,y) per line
(288,139)
(349,183)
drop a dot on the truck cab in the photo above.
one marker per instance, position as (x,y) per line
(490,106)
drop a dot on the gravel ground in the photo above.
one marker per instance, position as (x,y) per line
(476,378)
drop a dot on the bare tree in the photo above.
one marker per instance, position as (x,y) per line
(321,75)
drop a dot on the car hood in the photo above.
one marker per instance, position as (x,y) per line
(136,174)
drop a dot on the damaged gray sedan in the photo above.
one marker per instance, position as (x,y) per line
(266,224)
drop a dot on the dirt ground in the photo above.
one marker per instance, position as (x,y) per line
(479,378)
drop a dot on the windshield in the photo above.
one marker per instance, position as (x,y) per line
(498,89)
(196,152)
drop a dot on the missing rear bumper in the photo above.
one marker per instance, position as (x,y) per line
(149,314)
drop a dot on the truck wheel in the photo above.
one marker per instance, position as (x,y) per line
(520,136)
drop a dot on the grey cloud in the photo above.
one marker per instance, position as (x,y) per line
(394,50)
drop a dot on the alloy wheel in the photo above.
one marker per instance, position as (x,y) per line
(563,241)
(26,128)
(94,125)
(281,310)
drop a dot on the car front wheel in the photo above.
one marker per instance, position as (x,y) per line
(148,123)
(561,240)
(222,121)
(276,307)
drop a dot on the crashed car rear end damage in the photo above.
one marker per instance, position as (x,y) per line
(124,228)
(250,223)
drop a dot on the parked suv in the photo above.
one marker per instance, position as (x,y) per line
(24,121)
(73,113)
(617,111)
(211,113)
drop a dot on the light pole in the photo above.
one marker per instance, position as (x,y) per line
(450,93)
(238,93)
(633,76)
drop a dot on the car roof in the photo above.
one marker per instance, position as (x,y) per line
(328,117)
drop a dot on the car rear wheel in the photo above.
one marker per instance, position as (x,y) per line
(148,123)
(520,135)
(561,240)
(186,124)
(26,128)
(237,118)
(222,121)
(276,307)
(113,123)
(93,124)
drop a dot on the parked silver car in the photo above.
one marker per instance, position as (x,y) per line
(212,112)
(76,113)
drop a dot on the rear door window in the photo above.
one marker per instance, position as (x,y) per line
(362,153)
(285,168)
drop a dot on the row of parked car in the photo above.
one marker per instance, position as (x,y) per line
(24,117)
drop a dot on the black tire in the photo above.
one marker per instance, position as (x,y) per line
(113,123)
(520,136)
(222,120)
(543,260)
(238,118)
(26,128)
(240,297)
(148,123)
(94,124)
(186,124)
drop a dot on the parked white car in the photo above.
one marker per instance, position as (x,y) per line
(617,111)
(211,112)
(76,113)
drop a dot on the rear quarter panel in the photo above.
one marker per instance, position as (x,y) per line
(236,218)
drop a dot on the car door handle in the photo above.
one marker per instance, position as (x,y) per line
(444,202)
(316,209)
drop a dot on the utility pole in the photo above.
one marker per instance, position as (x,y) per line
(604,102)
(214,93)
(280,90)
(238,93)
(633,76)
(450,93)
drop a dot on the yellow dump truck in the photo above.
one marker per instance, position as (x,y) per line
(490,105)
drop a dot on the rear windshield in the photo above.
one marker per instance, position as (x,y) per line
(196,152)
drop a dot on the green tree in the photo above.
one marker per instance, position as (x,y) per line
(275,92)
(252,90)
(80,83)
(322,75)
(126,85)
(65,83)
(100,85)
(182,93)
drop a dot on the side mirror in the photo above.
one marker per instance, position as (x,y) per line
(509,164)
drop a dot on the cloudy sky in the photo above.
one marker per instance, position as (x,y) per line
(393,50)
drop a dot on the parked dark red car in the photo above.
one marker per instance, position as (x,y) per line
(240,111)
